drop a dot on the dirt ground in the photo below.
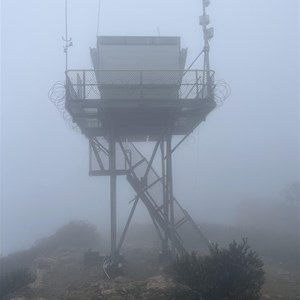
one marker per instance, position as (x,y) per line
(64,275)
(282,281)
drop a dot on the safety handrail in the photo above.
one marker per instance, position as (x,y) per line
(88,84)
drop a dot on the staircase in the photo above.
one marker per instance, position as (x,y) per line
(150,189)
(187,235)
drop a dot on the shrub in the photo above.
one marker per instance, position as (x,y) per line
(13,281)
(76,234)
(235,273)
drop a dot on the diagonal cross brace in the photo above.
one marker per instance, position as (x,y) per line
(97,155)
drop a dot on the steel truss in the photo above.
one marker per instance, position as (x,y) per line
(153,190)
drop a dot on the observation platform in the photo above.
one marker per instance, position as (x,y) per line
(138,104)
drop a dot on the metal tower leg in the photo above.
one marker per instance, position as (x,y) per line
(113,196)
(170,196)
(165,248)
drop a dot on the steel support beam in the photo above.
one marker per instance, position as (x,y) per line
(113,196)
(152,158)
(97,155)
(165,248)
(169,186)
(127,224)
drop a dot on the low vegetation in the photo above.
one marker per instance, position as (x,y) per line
(225,274)
(235,272)
(13,281)
(15,271)
(76,234)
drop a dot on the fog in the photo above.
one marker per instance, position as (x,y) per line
(248,148)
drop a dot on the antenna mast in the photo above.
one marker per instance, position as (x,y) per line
(208,33)
(66,39)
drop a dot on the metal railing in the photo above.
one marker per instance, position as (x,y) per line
(139,84)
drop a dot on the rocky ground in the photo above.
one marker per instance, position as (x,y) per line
(282,281)
(64,275)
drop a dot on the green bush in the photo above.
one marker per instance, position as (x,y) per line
(235,273)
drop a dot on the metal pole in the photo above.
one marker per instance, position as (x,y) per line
(66,39)
(151,159)
(113,196)
(66,25)
(127,224)
(197,87)
(83,75)
(90,155)
(165,200)
(170,197)
(206,53)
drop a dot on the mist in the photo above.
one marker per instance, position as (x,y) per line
(247,149)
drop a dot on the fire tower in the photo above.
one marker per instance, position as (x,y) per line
(141,91)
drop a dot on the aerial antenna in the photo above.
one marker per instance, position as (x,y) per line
(158,31)
(98,22)
(208,33)
(66,39)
